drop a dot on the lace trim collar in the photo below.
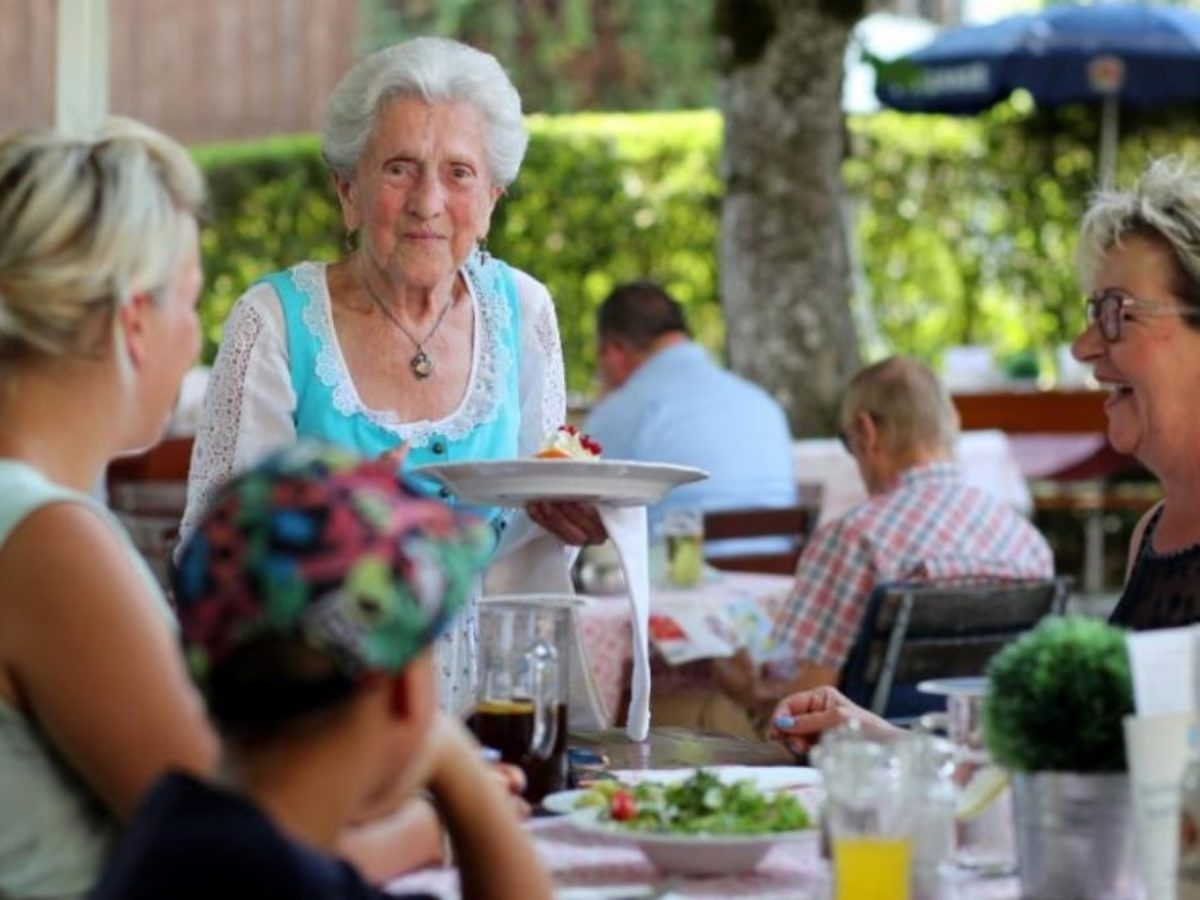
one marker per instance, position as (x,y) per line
(492,358)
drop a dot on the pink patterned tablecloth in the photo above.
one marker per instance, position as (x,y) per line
(577,860)
(733,608)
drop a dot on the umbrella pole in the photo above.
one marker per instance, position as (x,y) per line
(1109,113)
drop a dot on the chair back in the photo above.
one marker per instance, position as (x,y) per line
(148,492)
(913,632)
(790,524)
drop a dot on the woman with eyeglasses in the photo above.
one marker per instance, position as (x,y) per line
(1140,258)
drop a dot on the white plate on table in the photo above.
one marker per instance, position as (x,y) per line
(693,854)
(516,482)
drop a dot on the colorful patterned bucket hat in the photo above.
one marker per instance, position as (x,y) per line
(316,544)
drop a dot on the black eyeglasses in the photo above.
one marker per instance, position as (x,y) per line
(1108,308)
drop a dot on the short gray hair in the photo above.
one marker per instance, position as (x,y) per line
(907,401)
(436,70)
(1163,206)
(85,224)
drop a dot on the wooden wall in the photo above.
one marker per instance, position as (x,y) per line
(201,70)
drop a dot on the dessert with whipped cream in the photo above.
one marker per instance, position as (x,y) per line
(568,442)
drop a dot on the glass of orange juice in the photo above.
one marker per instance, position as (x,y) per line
(870,814)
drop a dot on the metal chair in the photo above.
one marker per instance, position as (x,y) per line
(789,523)
(914,632)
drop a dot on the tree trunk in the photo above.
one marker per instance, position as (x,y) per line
(785,279)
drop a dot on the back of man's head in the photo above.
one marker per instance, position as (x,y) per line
(908,403)
(638,314)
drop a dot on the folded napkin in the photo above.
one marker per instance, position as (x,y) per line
(530,560)
(627,530)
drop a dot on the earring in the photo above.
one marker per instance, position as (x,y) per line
(351,241)
(482,249)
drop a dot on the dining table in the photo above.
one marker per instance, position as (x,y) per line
(587,866)
(689,627)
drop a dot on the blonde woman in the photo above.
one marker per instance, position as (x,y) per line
(99,276)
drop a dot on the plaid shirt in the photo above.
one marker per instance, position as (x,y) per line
(931,527)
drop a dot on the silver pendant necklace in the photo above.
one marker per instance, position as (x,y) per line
(421,362)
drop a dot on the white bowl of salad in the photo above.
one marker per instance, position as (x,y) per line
(701,825)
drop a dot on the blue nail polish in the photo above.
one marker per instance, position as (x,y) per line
(783,723)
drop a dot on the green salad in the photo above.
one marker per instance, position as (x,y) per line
(702,804)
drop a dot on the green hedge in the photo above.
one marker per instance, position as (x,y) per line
(966,228)
(601,199)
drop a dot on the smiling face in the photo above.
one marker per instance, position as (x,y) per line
(1153,371)
(421,195)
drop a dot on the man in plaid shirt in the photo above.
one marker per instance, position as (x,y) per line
(921,522)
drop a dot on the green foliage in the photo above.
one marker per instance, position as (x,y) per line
(604,199)
(1057,697)
(572,55)
(601,199)
(966,227)
(271,204)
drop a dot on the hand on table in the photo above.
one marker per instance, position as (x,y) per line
(800,720)
(572,523)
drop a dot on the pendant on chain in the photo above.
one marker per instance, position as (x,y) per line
(421,364)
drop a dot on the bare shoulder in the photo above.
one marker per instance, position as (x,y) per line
(58,556)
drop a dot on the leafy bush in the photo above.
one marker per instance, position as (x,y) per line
(601,199)
(1056,699)
(966,227)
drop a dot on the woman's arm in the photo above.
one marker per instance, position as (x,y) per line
(544,408)
(542,382)
(249,403)
(89,655)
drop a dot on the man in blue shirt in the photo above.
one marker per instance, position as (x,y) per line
(667,401)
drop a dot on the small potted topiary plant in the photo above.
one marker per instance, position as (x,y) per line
(1052,716)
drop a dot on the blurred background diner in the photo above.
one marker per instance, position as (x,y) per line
(665,400)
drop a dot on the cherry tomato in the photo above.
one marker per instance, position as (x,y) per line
(622,807)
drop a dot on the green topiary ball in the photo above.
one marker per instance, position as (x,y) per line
(1056,698)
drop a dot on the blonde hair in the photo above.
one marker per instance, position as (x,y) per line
(1163,206)
(86,224)
(907,401)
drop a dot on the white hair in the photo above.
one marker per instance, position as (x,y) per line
(436,70)
(86,224)
(1163,206)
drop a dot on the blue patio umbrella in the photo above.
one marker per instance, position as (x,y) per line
(1110,53)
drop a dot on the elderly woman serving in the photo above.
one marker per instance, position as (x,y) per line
(416,342)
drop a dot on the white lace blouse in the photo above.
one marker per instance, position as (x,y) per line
(249,406)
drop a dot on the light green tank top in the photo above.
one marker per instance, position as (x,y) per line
(54,833)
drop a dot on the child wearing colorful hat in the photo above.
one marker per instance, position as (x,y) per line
(308,597)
